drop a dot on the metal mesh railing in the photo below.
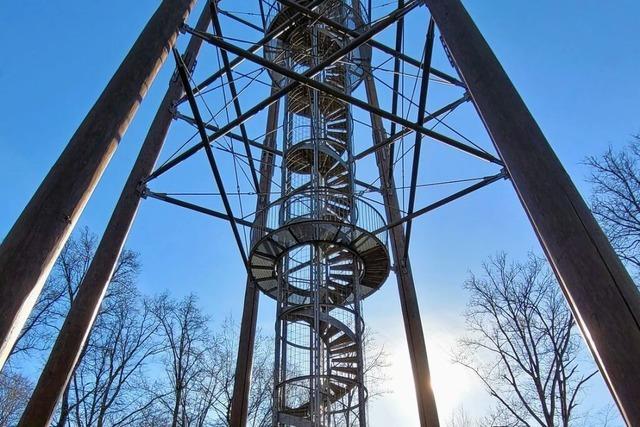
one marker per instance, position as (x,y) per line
(337,10)
(277,50)
(328,205)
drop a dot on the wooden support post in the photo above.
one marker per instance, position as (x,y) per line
(427,409)
(36,239)
(75,330)
(603,298)
(244,361)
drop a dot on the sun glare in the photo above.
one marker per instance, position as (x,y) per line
(450,382)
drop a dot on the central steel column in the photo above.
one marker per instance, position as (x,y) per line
(603,298)
(76,328)
(34,242)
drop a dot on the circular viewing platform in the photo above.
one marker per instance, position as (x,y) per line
(348,229)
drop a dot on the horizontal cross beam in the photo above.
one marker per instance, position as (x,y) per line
(231,135)
(455,196)
(331,59)
(406,131)
(276,32)
(197,208)
(302,78)
(373,43)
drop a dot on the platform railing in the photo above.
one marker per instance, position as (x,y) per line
(276,7)
(322,205)
(340,11)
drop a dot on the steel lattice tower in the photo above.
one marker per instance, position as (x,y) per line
(323,255)
(318,248)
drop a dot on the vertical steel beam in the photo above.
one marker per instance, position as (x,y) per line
(75,330)
(244,361)
(600,292)
(422,103)
(427,410)
(396,80)
(32,245)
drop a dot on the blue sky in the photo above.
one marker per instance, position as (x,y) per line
(574,62)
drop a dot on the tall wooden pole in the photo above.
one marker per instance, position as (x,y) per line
(72,337)
(600,292)
(427,410)
(244,361)
(30,248)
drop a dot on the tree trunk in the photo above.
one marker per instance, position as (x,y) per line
(176,407)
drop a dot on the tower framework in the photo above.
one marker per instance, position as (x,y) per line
(320,256)
(320,247)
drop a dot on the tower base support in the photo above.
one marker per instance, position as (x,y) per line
(603,298)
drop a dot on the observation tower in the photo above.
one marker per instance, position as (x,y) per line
(323,252)
(315,244)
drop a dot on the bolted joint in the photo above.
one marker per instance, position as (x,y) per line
(173,109)
(505,173)
(142,190)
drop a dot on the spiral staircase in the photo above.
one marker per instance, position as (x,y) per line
(351,260)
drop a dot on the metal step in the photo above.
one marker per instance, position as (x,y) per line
(293,420)
(343,277)
(343,339)
(342,350)
(346,370)
(348,359)
(342,267)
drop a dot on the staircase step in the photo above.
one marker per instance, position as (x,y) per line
(338,390)
(330,332)
(344,256)
(348,359)
(342,267)
(342,350)
(342,339)
(346,370)
(345,277)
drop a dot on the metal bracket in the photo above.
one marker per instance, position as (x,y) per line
(142,190)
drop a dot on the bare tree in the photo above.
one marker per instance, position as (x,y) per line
(460,418)
(119,378)
(184,330)
(261,389)
(113,335)
(14,393)
(375,365)
(53,304)
(522,344)
(107,388)
(616,198)
(54,301)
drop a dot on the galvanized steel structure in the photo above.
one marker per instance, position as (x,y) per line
(317,246)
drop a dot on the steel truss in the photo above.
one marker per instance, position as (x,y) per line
(359,39)
(209,134)
(599,281)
